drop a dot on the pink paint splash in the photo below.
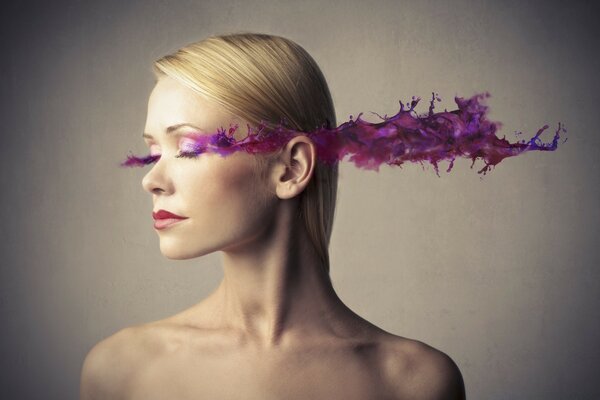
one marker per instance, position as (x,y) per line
(406,136)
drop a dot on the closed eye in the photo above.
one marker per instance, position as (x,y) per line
(188,154)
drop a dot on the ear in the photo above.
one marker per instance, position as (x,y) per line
(294,167)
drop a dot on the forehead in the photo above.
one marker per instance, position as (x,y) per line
(172,103)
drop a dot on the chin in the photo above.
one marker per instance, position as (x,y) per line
(180,252)
(183,250)
(181,255)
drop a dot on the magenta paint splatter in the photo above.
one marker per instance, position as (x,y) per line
(406,136)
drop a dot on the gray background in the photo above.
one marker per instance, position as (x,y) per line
(501,273)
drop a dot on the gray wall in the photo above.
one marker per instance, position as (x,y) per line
(501,273)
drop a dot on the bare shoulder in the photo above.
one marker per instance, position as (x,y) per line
(112,363)
(415,370)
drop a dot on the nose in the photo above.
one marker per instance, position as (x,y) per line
(155,181)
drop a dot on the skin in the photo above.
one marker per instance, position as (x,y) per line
(274,328)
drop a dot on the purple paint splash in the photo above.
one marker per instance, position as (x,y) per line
(406,136)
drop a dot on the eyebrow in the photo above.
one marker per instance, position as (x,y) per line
(173,128)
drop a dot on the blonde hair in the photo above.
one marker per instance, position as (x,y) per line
(267,79)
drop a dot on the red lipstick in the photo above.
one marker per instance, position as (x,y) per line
(164,219)
(162,214)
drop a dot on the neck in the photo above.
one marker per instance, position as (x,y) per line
(276,288)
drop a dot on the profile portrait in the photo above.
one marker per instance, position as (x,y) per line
(275,311)
(300,200)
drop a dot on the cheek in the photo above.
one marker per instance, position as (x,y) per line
(226,190)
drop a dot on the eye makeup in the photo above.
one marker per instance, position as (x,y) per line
(190,146)
(135,161)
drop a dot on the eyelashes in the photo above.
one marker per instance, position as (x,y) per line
(135,161)
(188,154)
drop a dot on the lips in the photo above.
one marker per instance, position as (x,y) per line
(163,214)
(163,219)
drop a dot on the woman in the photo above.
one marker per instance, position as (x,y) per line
(274,328)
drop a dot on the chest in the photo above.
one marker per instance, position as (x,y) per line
(303,376)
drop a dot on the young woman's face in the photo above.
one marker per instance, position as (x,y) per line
(224,204)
